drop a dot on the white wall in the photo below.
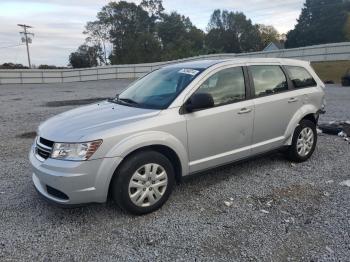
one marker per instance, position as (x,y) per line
(329,52)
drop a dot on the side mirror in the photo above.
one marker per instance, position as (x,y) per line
(199,101)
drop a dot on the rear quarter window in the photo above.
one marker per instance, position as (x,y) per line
(300,77)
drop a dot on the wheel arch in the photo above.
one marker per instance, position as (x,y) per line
(309,112)
(161,142)
(164,150)
(312,117)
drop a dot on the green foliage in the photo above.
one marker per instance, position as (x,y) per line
(13,66)
(154,8)
(98,35)
(132,32)
(268,34)
(50,67)
(232,32)
(179,38)
(85,56)
(346,28)
(127,33)
(145,33)
(320,22)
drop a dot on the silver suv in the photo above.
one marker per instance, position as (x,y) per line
(176,121)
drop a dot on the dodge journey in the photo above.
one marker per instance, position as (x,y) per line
(175,121)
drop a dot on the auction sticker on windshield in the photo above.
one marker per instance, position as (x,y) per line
(189,71)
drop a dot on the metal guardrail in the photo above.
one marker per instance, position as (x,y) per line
(328,52)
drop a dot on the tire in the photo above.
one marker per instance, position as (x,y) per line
(143,183)
(302,148)
(345,82)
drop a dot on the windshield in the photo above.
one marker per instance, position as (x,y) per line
(158,89)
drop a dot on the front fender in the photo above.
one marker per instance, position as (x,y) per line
(149,138)
(299,115)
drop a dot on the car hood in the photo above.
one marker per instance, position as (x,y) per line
(76,124)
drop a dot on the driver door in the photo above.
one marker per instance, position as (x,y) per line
(222,133)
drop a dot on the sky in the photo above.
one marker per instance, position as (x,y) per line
(58,24)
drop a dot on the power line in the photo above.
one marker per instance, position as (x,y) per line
(3,47)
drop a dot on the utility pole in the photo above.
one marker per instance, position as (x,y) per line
(26,39)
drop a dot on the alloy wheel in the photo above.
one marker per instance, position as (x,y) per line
(305,141)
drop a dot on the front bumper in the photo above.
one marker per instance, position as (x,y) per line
(79,181)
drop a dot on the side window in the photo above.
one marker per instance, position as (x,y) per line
(268,79)
(300,77)
(226,86)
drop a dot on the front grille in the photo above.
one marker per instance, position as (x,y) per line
(43,147)
(42,153)
(46,142)
(56,193)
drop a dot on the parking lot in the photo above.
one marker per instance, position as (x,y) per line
(277,211)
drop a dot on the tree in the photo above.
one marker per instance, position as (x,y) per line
(132,33)
(13,66)
(320,22)
(85,56)
(232,32)
(50,67)
(179,37)
(154,8)
(143,33)
(127,33)
(98,35)
(347,29)
(268,34)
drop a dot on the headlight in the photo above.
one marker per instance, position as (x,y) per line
(75,151)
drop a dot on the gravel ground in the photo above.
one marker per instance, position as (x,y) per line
(277,211)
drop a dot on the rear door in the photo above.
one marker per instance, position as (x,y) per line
(274,104)
(304,85)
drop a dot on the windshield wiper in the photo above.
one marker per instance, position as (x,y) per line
(128,101)
(113,100)
(118,100)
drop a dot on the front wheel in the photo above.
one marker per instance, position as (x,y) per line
(304,141)
(143,183)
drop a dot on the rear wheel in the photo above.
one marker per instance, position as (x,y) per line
(304,141)
(345,82)
(143,183)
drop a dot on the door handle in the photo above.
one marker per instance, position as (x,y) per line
(293,100)
(244,111)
